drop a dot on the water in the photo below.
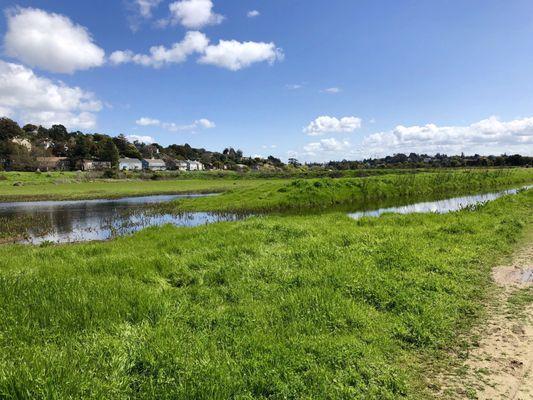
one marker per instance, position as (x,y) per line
(439,206)
(85,220)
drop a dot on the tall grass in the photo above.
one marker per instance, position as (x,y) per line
(271,307)
(303,194)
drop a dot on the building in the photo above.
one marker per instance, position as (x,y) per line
(129,164)
(22,142)
(53,163)
(182,165)
(154,164)
(195,166)
(190,165)
(92,165)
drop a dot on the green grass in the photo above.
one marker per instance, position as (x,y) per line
(316,306)
(80,189)
(354,192)
(262,194)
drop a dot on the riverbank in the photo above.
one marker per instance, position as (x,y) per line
(317,306)
(260,194)
(357,193)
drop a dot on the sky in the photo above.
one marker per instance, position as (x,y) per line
(311,79)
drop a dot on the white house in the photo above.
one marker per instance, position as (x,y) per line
(153,164)
(130,164)
(195,166)
(190,165)
(22,142)
(182,165)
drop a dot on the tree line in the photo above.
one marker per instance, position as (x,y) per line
(21,146)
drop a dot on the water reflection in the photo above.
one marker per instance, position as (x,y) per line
(439,206)
(85,220)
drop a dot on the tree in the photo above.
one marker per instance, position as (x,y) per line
(109,152)
(58,132)
(125,148)
(30,128)
(9,129)
(294,162)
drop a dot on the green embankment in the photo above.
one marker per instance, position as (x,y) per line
(326,193)
(272,307)
(260,194)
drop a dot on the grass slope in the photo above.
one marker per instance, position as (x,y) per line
(271,307)
(326,193)
(260,194)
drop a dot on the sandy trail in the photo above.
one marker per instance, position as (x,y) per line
(502,366)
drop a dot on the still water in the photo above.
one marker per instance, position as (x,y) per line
(439,206)
(85,220)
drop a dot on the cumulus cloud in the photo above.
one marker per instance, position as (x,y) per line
(235,55)
(42,101)
(145,121)
(253,14)
(229,54)
(490,135)
(332,90)
(140,138)
(192,14)
(325,124)
(50,41)
(329,146)
(194,42)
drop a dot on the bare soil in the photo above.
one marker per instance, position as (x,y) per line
(501,365)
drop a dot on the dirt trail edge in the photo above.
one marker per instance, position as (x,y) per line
(501,366)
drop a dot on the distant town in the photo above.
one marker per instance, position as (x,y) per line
(36,148)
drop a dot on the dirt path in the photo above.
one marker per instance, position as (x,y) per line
(501,366)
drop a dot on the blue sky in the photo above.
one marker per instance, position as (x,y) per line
(312,79)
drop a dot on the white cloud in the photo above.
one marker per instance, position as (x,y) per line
(325,124)
(235,55)
(294,86)
(329,146)
(145,7)
(42,101)
(253,14)
(145,121)
(140,138)
(5,112)
(194,42)
(487,136)
(50,41)
(332,90)
(202,123)
(272,146)
(205,123)
(192,14)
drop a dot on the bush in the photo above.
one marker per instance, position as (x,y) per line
(110,174)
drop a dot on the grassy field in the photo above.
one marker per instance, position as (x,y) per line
(70,189)
(261,194)
(278,307)
(272,307)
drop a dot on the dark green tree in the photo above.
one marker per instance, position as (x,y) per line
(109,152)
(9,129)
